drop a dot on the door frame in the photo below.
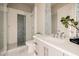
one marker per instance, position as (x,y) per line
(15,12)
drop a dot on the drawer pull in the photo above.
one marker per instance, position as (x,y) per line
(36,53)
(35,43)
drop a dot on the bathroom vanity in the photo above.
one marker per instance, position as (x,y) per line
(50,46)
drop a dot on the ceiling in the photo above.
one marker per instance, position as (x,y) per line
(22,6)
(30,6)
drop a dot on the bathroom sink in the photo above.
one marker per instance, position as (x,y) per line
(56,40)
(51,39)
(75,40)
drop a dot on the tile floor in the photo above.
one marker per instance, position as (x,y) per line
(20,51)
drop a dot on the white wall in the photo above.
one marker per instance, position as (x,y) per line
(29,25)
(1,26)
(43,18)
(48,18)
(54,19)
(63,10)
(68,9)
(40,18)
(54,22)
(12,25)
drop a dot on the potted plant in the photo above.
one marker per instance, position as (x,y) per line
(67,21)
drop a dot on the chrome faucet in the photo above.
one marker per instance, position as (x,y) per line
(62,34)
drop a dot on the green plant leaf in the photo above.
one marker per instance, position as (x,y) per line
(66,21)
(72,20)
(66,26)
(63,18)
(75,23)
(67,17)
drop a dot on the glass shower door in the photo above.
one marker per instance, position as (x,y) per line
(21,30)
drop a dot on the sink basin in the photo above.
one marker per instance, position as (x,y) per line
(51,39)
(75,40)
(55,40)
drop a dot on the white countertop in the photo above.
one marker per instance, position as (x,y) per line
(63,45)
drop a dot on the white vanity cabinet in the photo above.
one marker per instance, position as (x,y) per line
(64,54)
(46,46)
(39,48)
(43,49)
(54,52)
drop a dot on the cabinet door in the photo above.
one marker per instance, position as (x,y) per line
(64,54)
(41,51)
(54,52)
(39,48)
(46,49)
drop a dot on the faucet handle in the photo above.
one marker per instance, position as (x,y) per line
(62,35)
